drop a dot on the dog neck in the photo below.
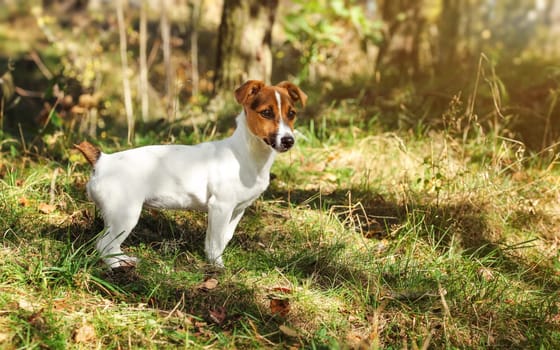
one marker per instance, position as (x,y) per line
(250,146)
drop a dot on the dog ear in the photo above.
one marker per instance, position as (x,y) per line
(248,90)
(295,92)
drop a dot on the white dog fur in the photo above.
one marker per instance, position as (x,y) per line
(221,177)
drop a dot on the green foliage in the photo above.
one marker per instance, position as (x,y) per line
(315,27)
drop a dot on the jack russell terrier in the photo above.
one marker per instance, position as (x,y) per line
(221,177)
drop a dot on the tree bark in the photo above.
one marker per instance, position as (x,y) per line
(195,6)
(448,28)
(244,42)
(143,86)
(124,66)
(166,42)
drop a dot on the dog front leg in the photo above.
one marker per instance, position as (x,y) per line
(222,222)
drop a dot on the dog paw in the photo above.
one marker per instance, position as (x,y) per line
(121,262)
(217,263)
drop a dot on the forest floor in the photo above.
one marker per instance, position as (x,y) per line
(365,239)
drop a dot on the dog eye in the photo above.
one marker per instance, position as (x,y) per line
(291,114)
(267,113)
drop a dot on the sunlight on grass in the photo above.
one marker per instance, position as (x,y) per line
(361,241)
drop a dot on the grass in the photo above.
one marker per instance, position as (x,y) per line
(364,240)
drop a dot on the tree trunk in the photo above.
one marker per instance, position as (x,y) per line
(166,39)
(124,66)
(448,28)
(244,42)
(143,86)
(195,6)
(404,25)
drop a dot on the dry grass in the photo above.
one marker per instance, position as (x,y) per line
(391,240)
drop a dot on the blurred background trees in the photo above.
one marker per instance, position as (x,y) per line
(412,64)
(244,43)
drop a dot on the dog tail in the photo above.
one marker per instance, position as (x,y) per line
(90,152)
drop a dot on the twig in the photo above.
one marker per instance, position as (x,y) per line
(426,343)
(28,93)
(53,186)
(181,301)
(42,67)
(442,293)
(257,334)
(153,53)
(23,144)
(374,335)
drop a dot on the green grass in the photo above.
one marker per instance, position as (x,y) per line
(392,240)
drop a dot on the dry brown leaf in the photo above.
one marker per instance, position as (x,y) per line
(37,320)
(280,306)
(329,177)
(46,208)
(209,284)
(354,340)
(485,273)
(23,201)
(218,315)
(5,337)
(26,305)
(283,290)
(290,332)
(279,300)
(84,334)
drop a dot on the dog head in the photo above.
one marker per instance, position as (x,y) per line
(270,111)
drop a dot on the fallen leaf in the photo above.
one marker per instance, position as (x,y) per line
(209,284)
(279,300)
(555,319)
(354,340)
(23,201)
(84,334)
(5,337)
(26,305)
(485,273)
(218,315)
(280,306)
(290,332)
(46,208)
(283,290)
(329,177)
(37,320)
(520,176)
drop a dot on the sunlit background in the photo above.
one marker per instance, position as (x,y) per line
(404,64)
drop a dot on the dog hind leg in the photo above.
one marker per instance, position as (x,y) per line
(118,225)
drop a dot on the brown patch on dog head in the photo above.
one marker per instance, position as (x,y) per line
(270,110)
(294,92)
(248,90)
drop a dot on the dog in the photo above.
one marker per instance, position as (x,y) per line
(220,177)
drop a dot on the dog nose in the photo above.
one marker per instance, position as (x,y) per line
(287,142)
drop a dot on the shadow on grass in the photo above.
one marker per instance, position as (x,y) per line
(171,233)
(377,217)
(412,287)
(462,223)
